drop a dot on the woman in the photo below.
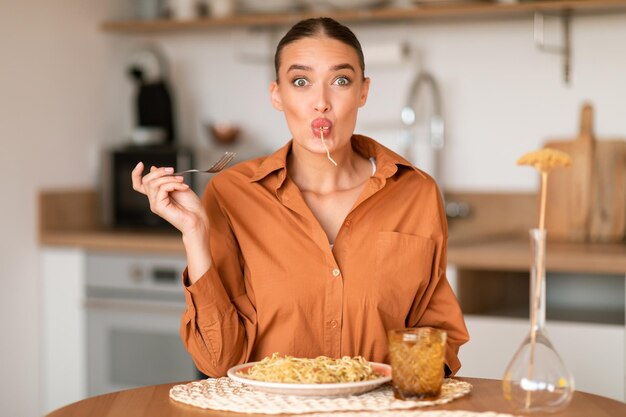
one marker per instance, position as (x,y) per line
(321,247)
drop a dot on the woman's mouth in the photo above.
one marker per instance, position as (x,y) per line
(321,125)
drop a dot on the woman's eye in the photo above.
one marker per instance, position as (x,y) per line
(300,82)
(342,81)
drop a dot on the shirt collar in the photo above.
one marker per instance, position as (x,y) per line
(387,161)
(274,162)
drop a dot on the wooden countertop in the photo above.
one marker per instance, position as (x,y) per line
(114,241)
(496,253)
(70,219)
(512,253)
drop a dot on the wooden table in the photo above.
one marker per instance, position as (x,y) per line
(154,401)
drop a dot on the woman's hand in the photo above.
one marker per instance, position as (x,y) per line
(171,198)
(174,201)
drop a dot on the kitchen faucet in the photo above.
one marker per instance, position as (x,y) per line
(436,131)
(408,115)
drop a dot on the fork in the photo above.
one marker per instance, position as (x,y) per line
(219,165)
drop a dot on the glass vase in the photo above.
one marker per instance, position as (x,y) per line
(536,379)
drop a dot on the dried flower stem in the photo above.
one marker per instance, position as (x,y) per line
(544,193)
(543,161)
(536,299)
(540,267)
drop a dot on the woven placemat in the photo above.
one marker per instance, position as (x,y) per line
(415,413)
(227,395)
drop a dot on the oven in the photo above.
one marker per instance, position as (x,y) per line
(134,305)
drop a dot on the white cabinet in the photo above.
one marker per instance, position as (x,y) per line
(493,341)
(110,321)
(585,322)
(63,351)
(594,353)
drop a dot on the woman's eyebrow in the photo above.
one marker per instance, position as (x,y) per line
(343,66)
(296,67)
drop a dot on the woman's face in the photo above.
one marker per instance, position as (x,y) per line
(320,86)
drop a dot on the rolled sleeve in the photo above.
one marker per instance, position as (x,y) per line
(218,327)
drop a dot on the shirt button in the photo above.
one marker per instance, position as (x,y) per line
(336,272)
(334,324)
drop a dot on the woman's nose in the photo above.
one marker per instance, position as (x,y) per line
(322,102)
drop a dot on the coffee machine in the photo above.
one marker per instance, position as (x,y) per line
(153,141)
(154,109)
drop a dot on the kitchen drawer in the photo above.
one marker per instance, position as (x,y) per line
(125,271)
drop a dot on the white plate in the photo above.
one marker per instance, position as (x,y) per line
(336,389)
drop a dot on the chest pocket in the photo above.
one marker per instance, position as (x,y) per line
(403,267)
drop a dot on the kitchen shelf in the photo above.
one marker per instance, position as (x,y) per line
(387,14)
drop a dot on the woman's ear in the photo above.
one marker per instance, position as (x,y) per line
(275,96)
(365,89)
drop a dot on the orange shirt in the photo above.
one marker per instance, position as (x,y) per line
(276,285)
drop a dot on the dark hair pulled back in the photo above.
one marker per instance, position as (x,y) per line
(319,26)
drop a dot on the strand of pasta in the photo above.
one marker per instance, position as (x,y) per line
(326,147)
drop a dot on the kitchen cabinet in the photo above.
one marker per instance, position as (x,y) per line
(110,321)
(66,257)
(489,269)
(385,14)
(63,352)
(594,353)
(585,321)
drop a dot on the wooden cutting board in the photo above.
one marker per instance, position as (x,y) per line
(608,207)
(568,204)
(587,201)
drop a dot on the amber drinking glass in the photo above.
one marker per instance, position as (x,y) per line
(417,362)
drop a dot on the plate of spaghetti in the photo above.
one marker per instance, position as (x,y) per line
(321,376)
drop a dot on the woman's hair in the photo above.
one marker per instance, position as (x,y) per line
(320,26)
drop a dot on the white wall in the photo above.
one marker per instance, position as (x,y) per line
(63,96)
(502,96)
(56,104)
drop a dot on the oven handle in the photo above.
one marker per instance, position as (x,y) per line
(139,306)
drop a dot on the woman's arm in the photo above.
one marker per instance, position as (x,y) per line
(219,322)
(218,327)
(197,249)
